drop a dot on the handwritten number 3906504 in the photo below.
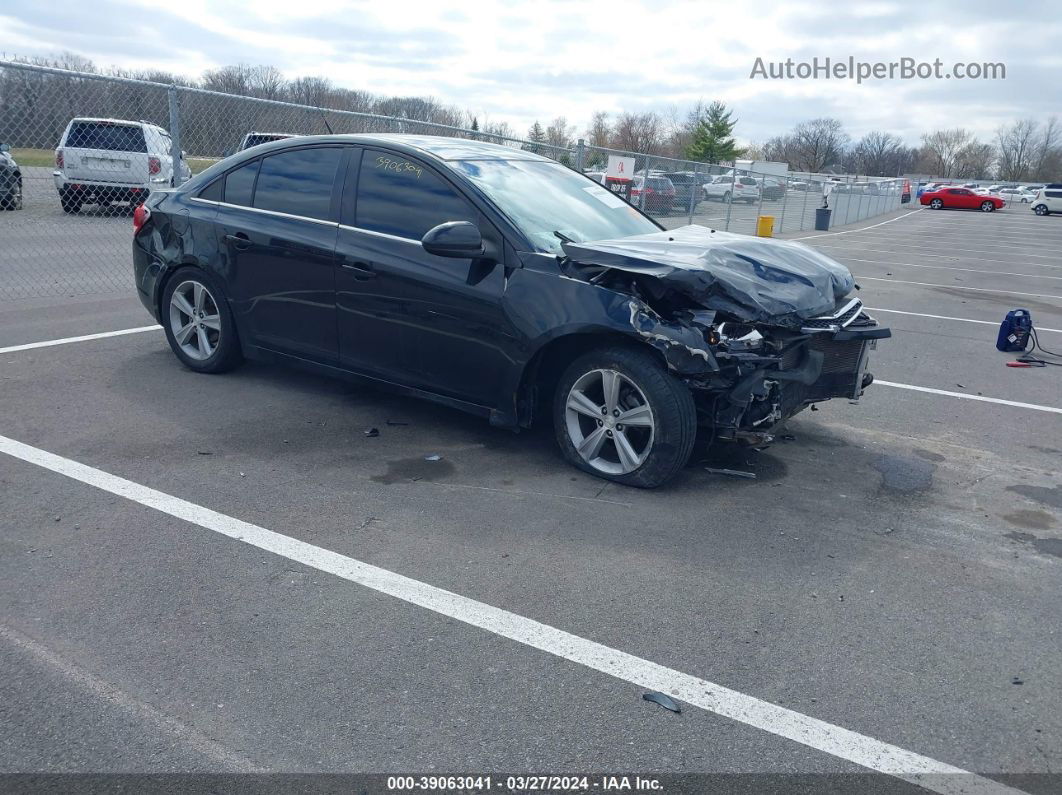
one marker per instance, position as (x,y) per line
(399,166)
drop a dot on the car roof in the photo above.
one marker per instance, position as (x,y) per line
(437,146)
(129,122)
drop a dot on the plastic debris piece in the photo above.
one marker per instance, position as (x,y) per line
(734,473)
(397,422)
(666,701)
(370,432)
(433,457)
(1017,680)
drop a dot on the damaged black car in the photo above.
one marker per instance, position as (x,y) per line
(502,283)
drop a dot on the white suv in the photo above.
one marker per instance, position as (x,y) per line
(1048,200)
(103,161)
(724,188)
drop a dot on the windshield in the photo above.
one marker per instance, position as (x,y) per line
(543,198)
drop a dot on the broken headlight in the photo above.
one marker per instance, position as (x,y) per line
(740,337)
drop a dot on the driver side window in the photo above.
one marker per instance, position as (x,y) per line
(399,196)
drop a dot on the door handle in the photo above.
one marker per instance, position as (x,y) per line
(360,270)
(239,241)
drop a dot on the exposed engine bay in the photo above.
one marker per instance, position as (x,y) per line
(759,329)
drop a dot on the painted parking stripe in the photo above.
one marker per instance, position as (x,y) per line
(85,338)
(956,287)
(982,398)
(946,317)
(812,732)
(951,268)
(863,229)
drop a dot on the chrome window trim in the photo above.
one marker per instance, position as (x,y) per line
(265,212)
(374,233)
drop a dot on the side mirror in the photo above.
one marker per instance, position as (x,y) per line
(459,239)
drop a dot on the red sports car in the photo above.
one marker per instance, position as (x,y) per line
(961,199)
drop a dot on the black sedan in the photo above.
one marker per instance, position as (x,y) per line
(10,181)
(501,283)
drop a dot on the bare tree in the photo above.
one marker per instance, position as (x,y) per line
(940,149)
(638,132)
(1047,161)
(876,154)
(1017,149)
(818,143)
(559,133)
(975,160)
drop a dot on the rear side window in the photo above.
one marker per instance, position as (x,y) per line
(298,182)
(401,197)
(215,191)
(239,184)
(1053,194)
(107,136)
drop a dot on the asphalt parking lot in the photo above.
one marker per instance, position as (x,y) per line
(883,596)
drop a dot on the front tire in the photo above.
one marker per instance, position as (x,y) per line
(620,415)
(937,204)
(71,204)
(988,207)
(1041,209)
(198,322)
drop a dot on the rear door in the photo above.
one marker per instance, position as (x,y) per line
(277,226)
(405,315)
(105,151)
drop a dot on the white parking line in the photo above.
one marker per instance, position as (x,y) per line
(812,732)
(946,317)
(863,229)
(956,287)
(85,338)
(982,398)
(951,268)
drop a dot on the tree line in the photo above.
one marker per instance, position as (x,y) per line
(35,107)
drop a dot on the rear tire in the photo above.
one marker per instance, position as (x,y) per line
(656,442)
(1041,209)
(71,204)
(13,200)
(202,334)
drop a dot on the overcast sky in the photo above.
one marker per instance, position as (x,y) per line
(523,60)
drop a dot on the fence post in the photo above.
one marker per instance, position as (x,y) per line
(785,201)
(730,194)
(175,137)
(645,188)
(580,156)
(695,187)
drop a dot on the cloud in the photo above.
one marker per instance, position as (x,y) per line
(522,61)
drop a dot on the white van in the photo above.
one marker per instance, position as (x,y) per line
(1048,200)
(103,161)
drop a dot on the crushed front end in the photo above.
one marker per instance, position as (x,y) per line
(758,329)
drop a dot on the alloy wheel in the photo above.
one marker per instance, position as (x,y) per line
(194,320)
(609,422)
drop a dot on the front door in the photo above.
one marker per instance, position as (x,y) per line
(410,317)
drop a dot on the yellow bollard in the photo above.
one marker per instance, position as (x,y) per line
(765,226)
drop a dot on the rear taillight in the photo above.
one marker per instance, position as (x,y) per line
(140,217)
(59,159)
(154,165)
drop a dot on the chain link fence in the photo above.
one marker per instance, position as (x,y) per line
(84,149)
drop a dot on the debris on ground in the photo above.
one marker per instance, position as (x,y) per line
(961,386)
(204,452)
(787,437)
(371,432)
(734,473)
(397,422)
(1017,680)
(666,701)
(433,457)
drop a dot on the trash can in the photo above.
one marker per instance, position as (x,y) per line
(765,226)
(822,218)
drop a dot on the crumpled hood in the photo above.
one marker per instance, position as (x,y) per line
(756,279)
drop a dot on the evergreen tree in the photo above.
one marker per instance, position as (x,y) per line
(536,135)
(713,140)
